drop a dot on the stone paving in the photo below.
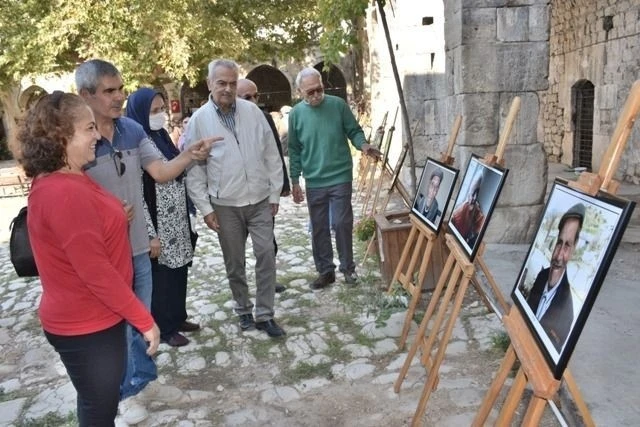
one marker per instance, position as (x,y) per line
(336,365)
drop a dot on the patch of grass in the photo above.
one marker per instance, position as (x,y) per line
(343,321)
(365,340)
(260,348)
(305,371)
(50,420)
(500,342)
(336,350)
(5,397)
(296,321)
(209,352)
(220,298)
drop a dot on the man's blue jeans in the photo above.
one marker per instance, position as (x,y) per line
(334,201)
(141,369)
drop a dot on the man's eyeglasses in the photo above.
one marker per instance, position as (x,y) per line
(249,96)
(116,155)
(318,90)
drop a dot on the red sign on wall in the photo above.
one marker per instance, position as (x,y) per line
(175,106)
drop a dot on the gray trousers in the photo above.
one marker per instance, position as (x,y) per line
(236,223)
(318,202)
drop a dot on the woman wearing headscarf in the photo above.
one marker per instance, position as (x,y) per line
(170,232)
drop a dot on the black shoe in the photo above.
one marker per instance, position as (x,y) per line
(351,279)
(188,327)
(323,280)
(246,321)
(271,328)
(176,340)
(280,288)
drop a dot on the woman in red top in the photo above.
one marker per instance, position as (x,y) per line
(78,233)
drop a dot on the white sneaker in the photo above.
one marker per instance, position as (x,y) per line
(132,411)
(156,392)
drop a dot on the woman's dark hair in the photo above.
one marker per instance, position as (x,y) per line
(46,131)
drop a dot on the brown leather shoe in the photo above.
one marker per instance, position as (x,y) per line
(323,280)
(189,327)
(176,340)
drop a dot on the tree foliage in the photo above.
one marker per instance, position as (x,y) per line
(148,38)
(339,20)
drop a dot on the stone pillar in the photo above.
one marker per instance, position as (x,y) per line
(494,53)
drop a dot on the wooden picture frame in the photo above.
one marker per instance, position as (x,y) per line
(556,315)
(438,178)
(475,202)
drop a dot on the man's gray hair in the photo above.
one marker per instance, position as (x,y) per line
(307,72)
(89,73)
(226,63)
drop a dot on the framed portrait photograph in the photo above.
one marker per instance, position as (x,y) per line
(434,191)
(476,200)
(567,262)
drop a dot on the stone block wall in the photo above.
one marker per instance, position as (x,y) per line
(598,41)
(473,60)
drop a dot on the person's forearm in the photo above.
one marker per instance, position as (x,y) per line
(170,170)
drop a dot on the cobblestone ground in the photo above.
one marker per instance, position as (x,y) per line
(336,366)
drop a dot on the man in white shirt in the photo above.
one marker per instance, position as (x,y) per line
(237,190)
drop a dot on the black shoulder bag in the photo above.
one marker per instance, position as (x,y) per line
(20,247)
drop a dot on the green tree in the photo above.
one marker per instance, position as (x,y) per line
(147,39)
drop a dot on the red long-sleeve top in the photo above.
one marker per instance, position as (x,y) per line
(78,233)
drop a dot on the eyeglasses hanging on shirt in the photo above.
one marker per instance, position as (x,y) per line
(116,155)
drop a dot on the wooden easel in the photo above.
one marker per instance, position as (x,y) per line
(394,183)
(365,161)
(385,159)
(459,271)
(419,245)
(374,165)
(534,368)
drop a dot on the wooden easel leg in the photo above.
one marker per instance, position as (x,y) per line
(369,189)
(481,293)
(403,258)
(362,175)
(572,386)
(513,398)
(423,325)
(416,291)
(496,386)
(494,286)
(534,412)
(408,319)
(435,367)
(442,311)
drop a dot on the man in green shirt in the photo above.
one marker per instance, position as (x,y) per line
(319,127)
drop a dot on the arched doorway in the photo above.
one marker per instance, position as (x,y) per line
(333,80)
(273,86)
(30,96)
(191,98)
(583,98)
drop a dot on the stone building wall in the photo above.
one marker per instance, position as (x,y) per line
(598,41)
(485,52)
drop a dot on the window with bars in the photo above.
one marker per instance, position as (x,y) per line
(583,97)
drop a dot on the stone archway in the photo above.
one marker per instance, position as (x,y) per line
(333,80)
(29,96)
(192,98)
(273,86)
